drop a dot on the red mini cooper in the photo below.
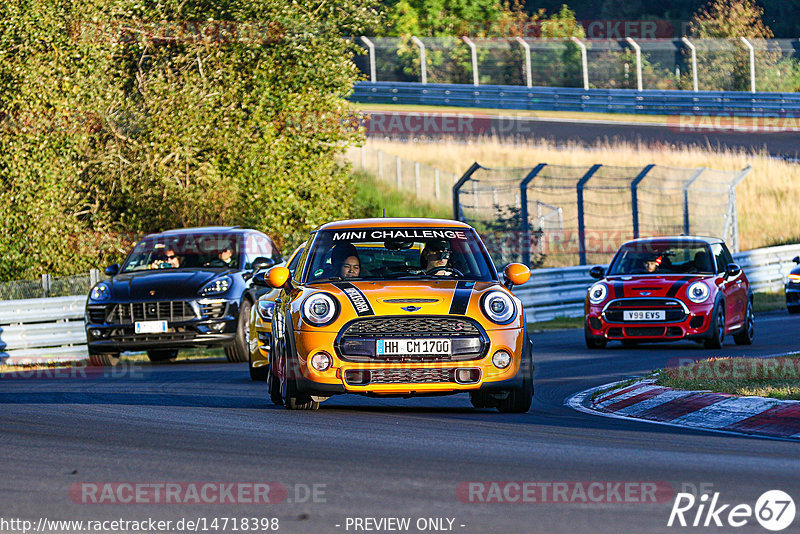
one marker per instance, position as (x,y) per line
(667,289)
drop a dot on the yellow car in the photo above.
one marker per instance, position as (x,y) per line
(398,307)
(260,325)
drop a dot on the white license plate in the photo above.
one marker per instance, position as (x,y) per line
(151,327)
(644,315)
(391,347)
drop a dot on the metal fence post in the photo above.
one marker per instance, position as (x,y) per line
(436,183)
(635,198)
(584,62)
(363,157)
(423,66)
(474,54)
(734,211)
(687,227)
(581,222)
(380,164)
(525,226)
(416,178)
(638,50)
(692,48)
(752,63)
(47,284)
(399,173)
(527,50)
(457,215)
(94,277)
(372,77)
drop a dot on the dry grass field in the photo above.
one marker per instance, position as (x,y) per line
(768,199)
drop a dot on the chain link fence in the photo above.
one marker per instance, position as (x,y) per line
(49,286)
(661,64)
(556,215)
(413,177)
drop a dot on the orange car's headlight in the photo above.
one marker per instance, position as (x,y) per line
(498,307)
(320,309)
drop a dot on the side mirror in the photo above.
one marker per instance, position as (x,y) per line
(112,270)
(796,259)
(277,277)
(597,272)
(516,274)
(732,270)
(260,280)
(262,263)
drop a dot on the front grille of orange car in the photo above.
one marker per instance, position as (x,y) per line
(165,310)
(358,339)
(614,311)
(404,325)
(399,376)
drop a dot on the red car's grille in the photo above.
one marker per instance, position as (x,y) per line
(674,311)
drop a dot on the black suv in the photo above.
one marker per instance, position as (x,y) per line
(179,289)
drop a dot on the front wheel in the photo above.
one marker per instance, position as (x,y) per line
(519,400)
(240,350)
(747,333)
(592,341)
(717,329)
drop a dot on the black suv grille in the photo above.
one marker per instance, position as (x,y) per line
(403,326)
(212,310)
(97,314)
(672,307)
(169,310)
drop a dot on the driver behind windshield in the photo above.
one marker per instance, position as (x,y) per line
(436,255)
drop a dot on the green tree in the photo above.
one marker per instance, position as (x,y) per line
(123,117)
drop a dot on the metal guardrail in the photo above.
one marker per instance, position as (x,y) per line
(650,102)
(53,328)
(45,327)
(553,293)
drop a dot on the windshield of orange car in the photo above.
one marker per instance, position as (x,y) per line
(398,254)
(662,258)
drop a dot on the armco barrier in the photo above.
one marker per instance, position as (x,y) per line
(552,293)
(650,102)
(53,327)
(38,328)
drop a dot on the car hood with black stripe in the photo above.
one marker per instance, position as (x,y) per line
(408,298)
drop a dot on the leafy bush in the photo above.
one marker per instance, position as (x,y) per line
(124,117)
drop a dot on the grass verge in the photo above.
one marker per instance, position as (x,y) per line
(559,323)
(777,378)
(766,199)
(133,358)
(768,301)
(372,196)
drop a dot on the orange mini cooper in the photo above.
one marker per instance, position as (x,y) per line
(398,307)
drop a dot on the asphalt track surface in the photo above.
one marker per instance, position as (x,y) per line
(206,421)
(750,137)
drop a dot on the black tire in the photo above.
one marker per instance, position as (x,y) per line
(259,374)
(103,359)
(294,400)
(162,355)
(479,399)
(793,309)
(593,342)
(239,351)
(716,331)
(747,333)
(519,400)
